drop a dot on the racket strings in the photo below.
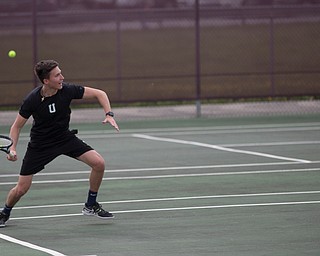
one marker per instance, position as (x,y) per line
(5,142)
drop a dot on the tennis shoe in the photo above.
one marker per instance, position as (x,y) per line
(96,210)
(3,219)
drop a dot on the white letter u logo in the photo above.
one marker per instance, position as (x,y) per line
(52,108)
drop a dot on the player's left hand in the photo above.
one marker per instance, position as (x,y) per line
(110,120)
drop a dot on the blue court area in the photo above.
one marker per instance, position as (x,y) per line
(230,187)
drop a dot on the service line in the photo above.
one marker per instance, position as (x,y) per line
(199,144)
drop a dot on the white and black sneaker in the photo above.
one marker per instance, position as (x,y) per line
(3,219)
(96,210)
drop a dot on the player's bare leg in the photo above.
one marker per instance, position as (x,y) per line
(22,187)
(96,162)
(14,195)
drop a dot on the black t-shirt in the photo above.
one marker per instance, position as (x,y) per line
(52,114)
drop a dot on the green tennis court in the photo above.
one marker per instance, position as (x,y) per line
(240,186)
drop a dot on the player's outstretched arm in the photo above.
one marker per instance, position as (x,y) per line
(102,97)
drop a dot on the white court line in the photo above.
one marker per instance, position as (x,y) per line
(170,176)
(174,199)
(29,245)
(219,206)
(193,132)
(169,168)
(233,131)
(271,144)
(175,209)
(212,128)
(32,246)
(199,144)
(198,130)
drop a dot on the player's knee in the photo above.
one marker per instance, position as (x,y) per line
(99,164)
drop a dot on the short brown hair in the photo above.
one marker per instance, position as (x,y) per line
(43,68)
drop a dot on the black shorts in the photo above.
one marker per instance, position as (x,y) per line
(38,156)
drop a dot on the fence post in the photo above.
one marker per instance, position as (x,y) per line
(118,55)
(34,39)
(271,53)
(198,60)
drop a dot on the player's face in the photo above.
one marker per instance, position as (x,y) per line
(56,78)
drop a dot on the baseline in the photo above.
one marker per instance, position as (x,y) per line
(29,245)
(33,246)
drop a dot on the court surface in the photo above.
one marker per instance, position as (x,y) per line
(241,186)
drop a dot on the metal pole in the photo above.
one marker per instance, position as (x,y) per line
(118,55)
(197,54)
(34,39)
(272,57)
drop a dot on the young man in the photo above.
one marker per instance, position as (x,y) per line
(49,105)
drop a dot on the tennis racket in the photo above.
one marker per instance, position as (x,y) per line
(5,143)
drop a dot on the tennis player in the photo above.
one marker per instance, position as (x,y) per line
(49,105)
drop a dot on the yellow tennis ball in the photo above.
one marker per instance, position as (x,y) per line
(12,53)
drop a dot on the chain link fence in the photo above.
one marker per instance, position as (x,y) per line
(174,54)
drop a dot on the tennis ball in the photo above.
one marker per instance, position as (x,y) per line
(12,54)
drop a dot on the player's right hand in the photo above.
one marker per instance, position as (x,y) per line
(12,156)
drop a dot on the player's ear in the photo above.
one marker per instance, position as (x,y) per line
(45,81)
